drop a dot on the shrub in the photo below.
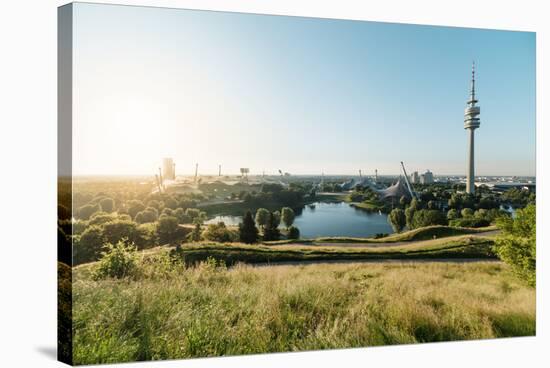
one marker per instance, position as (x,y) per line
(219,232)
(469,222)
(196,234)
(516,245)
(118,261)
(467,212)
(89,245)
(293,232)
(452,214)
(100,218)
(168,229)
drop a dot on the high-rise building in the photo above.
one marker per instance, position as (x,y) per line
(427,177)
(415,178)
(471,123)
(168,169)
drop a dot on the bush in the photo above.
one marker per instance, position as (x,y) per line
(469,222)
(118,261)
(452,214)
(89,245)
(516,245)
(467,212)
(424,218)
(293,233)
(168,229)
(219,232)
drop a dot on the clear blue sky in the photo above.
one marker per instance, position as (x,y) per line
(304,95)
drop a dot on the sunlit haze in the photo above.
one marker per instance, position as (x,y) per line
(302,95)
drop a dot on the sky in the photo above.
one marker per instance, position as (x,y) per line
(304,95)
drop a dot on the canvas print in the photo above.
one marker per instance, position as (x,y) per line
(241,184)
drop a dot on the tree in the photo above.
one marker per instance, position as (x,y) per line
(150,214)
(452,214)
(287,216)
(196,233)
(167,229)
(409,214)
(135,206)
(431,205)
(516,245)
(397,219)
(424,218)
(218,232)
(89,246)
(107,205)
(276,218)
(403,201)
(86,211)
(262,215)
(248,232)
(293,233)
(467,212)
(271,230)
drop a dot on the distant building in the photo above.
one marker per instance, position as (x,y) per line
(415,179)
(427,177)
(168,169)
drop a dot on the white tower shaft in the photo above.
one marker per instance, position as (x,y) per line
(471,123)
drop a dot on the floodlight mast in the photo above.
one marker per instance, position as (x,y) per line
(407,180)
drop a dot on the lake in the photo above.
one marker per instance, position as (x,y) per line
(331,219)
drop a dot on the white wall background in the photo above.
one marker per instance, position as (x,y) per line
(28,180)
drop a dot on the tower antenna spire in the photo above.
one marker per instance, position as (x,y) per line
(473,86)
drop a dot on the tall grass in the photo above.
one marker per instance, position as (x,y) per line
(177,312)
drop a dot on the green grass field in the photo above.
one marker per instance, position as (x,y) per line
(170,311)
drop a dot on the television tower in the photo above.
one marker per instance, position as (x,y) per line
(471,123)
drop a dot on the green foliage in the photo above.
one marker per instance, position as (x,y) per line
(85,212)
(107,205)
(118,261)
(293,233)
(150,214)
(271,230)
(248,232)
(287,216)
(196,234)
(168,229)
(452,214)
(219,232)
(469,222)
(134,207)
(89,245)
(467,212)
(409,215)
(518,197)
(517,243)
(397,219)
(262,215)
(424,218)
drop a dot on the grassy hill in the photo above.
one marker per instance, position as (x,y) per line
(172,311)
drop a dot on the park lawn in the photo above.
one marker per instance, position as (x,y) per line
(169,311)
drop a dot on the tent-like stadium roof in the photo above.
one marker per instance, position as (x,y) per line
(396,190)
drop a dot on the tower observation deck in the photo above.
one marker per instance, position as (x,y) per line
(471,123)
